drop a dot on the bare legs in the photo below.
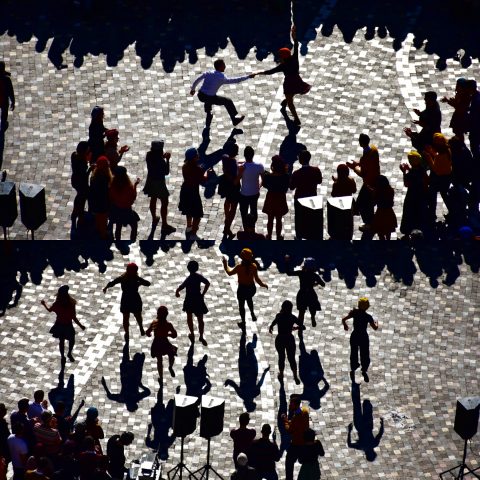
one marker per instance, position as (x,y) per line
(201,327)
(291,107)
(230,209)
(126,323)
(171,359)
(61,346)
(163,213)
(278,227)
(192,225)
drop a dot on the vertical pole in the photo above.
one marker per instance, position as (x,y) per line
(462,466)
(208,457)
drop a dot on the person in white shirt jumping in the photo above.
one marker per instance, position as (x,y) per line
(212,81)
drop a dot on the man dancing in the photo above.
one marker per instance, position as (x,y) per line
(212,81)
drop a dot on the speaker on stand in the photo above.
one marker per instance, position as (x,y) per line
(309,217)
(466,425)
(211,425)
(8,206)
(33,211)
(185,416)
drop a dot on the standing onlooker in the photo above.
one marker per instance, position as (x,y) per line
(4,434)
(96,133)
(249,174)
(460,102)
(7,96)
(242,437)
(20,416)
(276,183)
(98,195)
(384,220)
(229,187)
(243,470)
(285,341)
(112,152)
(296,423)
(194,303)
(190,202)
(116,454)
(122,194)
(162,329)
(429,119)
(263,454)
(359,339)
(64,308)
(247,275)
(415,178)
(368,168)
(80,161)
(311,450)
(158,167)
(47,435)
(343,184)
(38,406)
(18,450)
(474,122)
(304,181)
(93,428)
(131,302)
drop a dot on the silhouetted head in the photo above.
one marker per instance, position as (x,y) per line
(157,146)
(132,269)
(126,438)
(23,405)
(363,140)
(246,254)
(102,165)
(295,401)
(46,417)
(304,157)
(471,86)
(92,413)
(83,148)
(287,307)
(162,312)
(430,98)
(219,65)
(309,264)
(382,182)
(342,170)
(440,142)
(244,419)
(112,134)
(38,395)
(248,153)
(414,158)
(192,266)
(242,460)
(231,148)
(284,54)
(278,165)
(363,303)
(309,435)
(370,454)
(191,154)
(97,113)
(266,430)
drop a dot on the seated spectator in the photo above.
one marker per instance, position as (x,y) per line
(243,471)
(98,195)
(242,437)
(116,454)
(112,152)
(122,195)
(263,454)
(48,435)
(276,183)
(38,406)
(308,456)
(249,233)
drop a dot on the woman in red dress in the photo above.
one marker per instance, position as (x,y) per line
(64,307)
(293,83)
(162,329)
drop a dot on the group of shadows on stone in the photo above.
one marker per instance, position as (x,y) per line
(168,29)
(62,448)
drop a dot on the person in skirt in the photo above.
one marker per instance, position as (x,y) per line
(162,329)
(194,303)
(64,308)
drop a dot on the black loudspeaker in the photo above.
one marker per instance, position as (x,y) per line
(340,218)
(33,211)
(8,204)
(466,417)
(309,213)
(185,415)
(212,413)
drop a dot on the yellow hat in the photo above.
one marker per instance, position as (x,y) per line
(440,139)
(246,254)
(414,158)
(363,303)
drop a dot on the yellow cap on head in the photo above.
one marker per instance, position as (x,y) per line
(363,303)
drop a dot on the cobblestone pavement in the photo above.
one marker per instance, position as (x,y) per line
(424,355)
(359,86)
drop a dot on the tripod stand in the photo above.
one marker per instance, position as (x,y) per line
(205,470)
(180,467)
(463,468)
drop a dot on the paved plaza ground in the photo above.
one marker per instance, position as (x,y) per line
(140,67)
(424,355)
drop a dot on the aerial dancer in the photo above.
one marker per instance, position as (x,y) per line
(293,83)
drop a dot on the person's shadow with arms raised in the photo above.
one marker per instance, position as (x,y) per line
(311,373)
(132,389)
(197,380)
(363,422)
(248,388)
